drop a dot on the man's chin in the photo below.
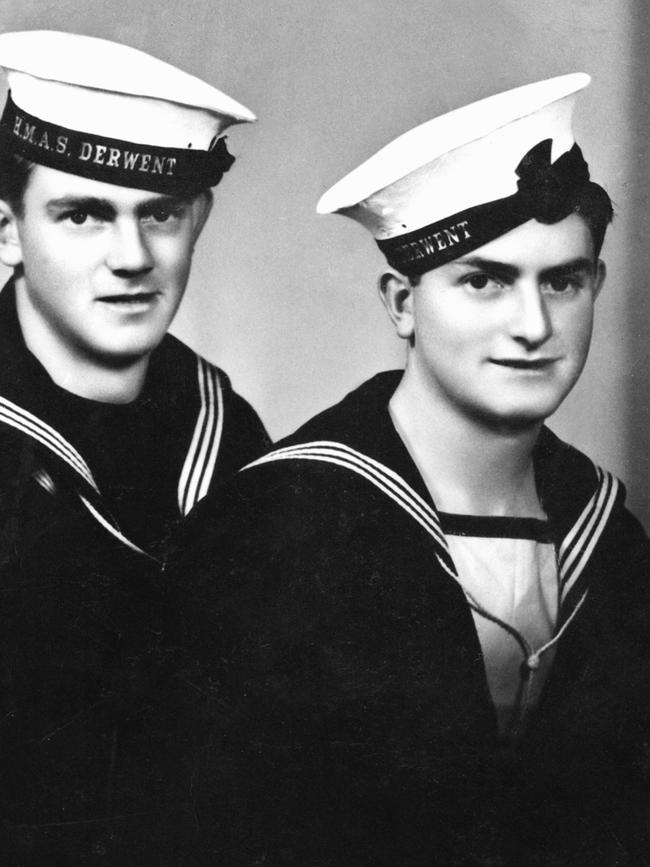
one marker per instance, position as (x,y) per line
(519,420)
(123,358)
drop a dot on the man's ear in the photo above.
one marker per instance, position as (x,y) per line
(601,273)
(11,253)
(396,292)
(202,205)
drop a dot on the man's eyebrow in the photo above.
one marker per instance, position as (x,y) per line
(579,264)
(511,272)
(490,266)
(92,204)
(158,202)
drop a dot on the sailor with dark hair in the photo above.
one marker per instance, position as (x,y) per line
(111,430)
(426,635)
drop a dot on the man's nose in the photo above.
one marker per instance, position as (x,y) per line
(531,322)
(129,251)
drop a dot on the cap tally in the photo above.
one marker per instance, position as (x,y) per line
(467,177)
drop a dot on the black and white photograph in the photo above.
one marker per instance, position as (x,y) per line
(324,433)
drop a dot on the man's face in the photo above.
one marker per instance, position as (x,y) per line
(501,335)
(104,267)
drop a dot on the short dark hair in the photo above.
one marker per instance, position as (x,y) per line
(594,205)
(14,176)
(591,203)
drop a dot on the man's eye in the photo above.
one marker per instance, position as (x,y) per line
(481,281)
(162,215)
(78,217)
(561,285)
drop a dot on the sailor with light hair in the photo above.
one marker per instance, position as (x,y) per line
(111,430)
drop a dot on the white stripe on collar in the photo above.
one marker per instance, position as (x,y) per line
(387,480)
(575,550)
(34,427)
(17,417)
(112,528)
(579,543)
(201,458)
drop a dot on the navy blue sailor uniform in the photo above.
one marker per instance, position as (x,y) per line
(90,497)
(353,719)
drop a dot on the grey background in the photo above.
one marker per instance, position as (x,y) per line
(286,300)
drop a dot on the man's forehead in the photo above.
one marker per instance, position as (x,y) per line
(536,245)
(47,184)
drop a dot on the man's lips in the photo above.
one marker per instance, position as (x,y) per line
(524,363)
(129,298)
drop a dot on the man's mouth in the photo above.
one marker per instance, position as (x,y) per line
(524,364)
(129,298)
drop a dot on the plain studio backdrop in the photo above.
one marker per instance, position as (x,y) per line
(286,300)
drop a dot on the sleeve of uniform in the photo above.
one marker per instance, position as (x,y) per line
(307,664)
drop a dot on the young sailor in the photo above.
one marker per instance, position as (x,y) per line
(429,640)
(111,431)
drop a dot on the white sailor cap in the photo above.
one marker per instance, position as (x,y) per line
(463,179)
(109,112)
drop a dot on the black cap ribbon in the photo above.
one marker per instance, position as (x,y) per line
(176,171)
(545,192)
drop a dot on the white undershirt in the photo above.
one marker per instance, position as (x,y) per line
(514,580)
(508,569)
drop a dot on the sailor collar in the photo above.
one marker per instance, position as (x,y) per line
(24,408)
(376,453)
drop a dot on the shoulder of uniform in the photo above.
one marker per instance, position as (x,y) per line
(270,508)
(301,489)
(578,493)
(562,465)
(180,363)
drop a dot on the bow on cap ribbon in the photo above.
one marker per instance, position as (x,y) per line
(219,161)
(545,189)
